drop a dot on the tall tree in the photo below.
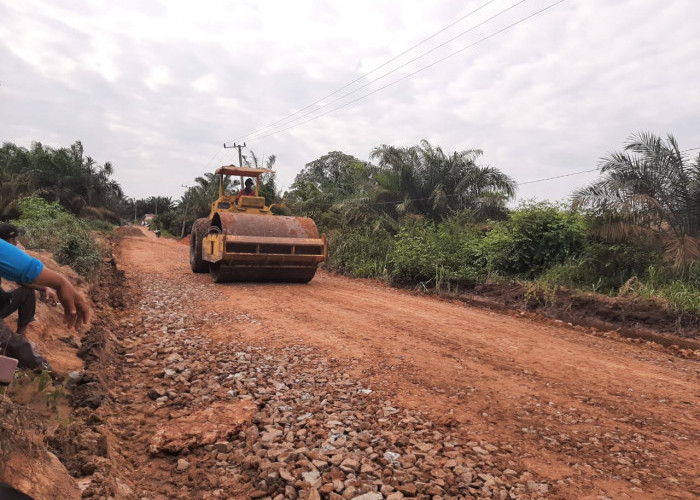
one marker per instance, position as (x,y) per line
(65,175)
(332,187)
(650,189)
(15,181)
(424,179)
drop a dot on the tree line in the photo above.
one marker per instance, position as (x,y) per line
(421,214)
(65,175)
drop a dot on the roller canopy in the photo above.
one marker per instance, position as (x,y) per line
(244,171)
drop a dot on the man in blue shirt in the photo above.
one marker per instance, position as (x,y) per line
(16,265)
(23,298)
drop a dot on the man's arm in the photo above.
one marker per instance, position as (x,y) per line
(75,310)
(17,266)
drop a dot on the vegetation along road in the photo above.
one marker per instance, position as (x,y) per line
(343,388)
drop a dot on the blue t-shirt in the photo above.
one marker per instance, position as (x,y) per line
(17,266)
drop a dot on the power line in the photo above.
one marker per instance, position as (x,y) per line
(406,76)
(580,172)
(272,125)
(533,181)
(206,167)
(558,176)
(393,70)
(518,183)
(457,194)
(417,71)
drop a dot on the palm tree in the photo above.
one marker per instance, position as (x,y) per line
(76,181)
(651,189)
(425,180)
(15,181)
(268,183)
(334,190)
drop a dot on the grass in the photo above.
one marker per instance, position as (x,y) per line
(680,296)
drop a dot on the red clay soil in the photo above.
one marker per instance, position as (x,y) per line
(560,397)
(590,413)
(129,231)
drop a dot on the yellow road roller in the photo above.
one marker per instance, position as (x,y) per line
(242,240)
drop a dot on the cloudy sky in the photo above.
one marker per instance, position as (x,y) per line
(158,87)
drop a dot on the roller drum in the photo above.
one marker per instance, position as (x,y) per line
(259,225)
(249,262)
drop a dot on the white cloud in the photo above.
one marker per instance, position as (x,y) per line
(157,87)
(158,77)
(207,84)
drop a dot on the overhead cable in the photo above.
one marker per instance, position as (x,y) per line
(370,82)
(458,194)
(417,71)
(272,125)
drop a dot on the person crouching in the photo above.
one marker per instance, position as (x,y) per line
(23,298)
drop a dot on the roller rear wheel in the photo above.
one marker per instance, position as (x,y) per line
(199,231)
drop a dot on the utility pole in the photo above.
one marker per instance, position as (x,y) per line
(134,200)
(184,214)
(238,147)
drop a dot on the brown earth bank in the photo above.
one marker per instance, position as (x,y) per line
(627,316)
(350,389)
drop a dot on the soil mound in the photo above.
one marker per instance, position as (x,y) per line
(129,231)
(632,316)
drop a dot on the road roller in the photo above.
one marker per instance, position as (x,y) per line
(242,240)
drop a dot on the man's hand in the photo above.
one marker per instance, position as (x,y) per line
(75,310)
(49,295)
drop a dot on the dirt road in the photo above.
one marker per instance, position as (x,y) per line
(346,387)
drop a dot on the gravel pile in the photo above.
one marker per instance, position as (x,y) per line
(311,430)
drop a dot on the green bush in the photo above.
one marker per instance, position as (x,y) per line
(679,295)
(47,226)
(413,255)
(693,275)
(535,237)
(603,267)
(446,251)
(102,226)
(360,252)
(540,242)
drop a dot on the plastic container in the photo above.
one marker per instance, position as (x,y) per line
(7,369)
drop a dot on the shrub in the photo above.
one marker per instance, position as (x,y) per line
(539,294)
(360,252)
(534,238)
(101,226)
(603,267)
(446,251)
(169,221)
(679,295)
(47,226)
